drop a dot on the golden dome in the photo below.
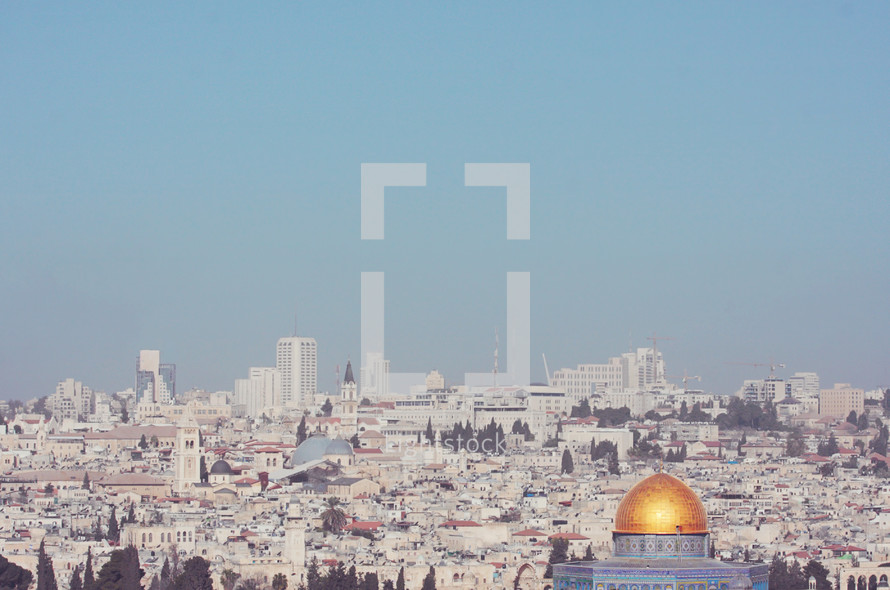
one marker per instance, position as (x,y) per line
(658,505)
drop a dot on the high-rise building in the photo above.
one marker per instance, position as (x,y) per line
(155,382)
(435,381)
(636,371)
(841,400)
(375,376)
(261,390)
(803,385)
(72,400)
(297,360)
(761,391)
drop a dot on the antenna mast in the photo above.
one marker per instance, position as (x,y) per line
(496,346)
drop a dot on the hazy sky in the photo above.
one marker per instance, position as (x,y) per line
(185,177)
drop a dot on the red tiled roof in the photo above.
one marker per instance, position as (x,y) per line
(529,533)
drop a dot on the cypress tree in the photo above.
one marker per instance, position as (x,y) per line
(400,581)
(568,465)
(46,576)
(429,582)
(76,583)
(89,580)
(114,531)
(429,429)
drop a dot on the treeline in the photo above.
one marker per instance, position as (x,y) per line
(338,577)
(782,575)
(741,414)
(489,440)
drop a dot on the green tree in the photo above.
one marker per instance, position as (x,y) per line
(313,576)
(125,415)
(851,417)
(89,581)
(582,410)
(612,416)
(165,580)
(46,576)
(388,585)
(829,447)
(121,571)
(794,444)
(818,571)
(588,553)
(355,442)
(75,583)
(143,443)
(559,553)
(86,481)
(14,577)
(301,431)
(204,475)
(228,578)
(400,581)
(279,582)
(429,582)
(614,467)
(568,465)
(370,582)
(195,575)
(114,531)
(327,408)
(602,450)
(862,423)
(430,435)
(333,519)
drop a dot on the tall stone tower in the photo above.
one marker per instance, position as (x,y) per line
(348,395)
(295,543)
(187,456)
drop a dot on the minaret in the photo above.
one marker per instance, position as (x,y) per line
(349,421)
(187,456)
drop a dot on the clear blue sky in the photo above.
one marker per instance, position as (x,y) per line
(184,177)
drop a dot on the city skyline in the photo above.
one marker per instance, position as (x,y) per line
(186,179)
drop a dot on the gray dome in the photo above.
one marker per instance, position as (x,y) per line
(316,447)
(311,449)
(221,468)
(339,446)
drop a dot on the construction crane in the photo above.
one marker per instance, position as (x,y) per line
(771,364)
(546,368)
(655,338)
(685,377)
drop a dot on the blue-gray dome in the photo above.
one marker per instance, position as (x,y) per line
(221,468)
(311,449)
(339,446)
(316,447)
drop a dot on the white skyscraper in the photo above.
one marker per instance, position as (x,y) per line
(72,400)
(265,385)
(155,381)
(297,362)
(375,375)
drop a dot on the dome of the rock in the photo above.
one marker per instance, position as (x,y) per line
(661,504)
